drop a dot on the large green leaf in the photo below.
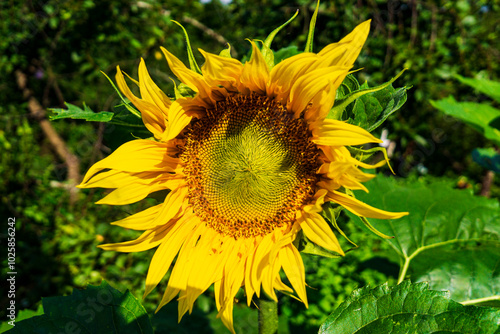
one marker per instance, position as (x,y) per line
(86,113)
(480,116)
(446,228)
(408,308)
(488,87)
(95,310)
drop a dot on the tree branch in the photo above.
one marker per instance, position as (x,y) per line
(58,144)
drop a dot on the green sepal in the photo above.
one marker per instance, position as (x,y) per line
(75,112)
(362,154)
(268,55)
(310,34)
(373,229)
(177,93)
(226,52)
(331,214)
(126,102)
(185,91)
(304,245)
(397,100)
(266,49)
(192,61)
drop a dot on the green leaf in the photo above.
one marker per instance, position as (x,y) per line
(97,309)
(408,308)
(488,158)
(480,116)
(446,228)
(348,86)
(310,34)
(86,113)
(370,111)
(488,87)
(371,107)
(22,315)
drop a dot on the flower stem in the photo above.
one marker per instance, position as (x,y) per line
(268,316)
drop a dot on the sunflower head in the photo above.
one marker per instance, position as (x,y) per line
(249,158)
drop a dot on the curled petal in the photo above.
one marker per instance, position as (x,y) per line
(152,116)
(337,133)
(362,209)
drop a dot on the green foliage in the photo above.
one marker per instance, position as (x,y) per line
(488,158)
(367,107)
(62,47)
(408,308)
(450,239)
(485,86)
(86,113)
(97,309)
(480,116)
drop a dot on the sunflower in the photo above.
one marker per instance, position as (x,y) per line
(249,160)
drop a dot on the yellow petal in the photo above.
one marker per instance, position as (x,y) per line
(141,220)
(294,269)
(255,72)
(173,203)
(194,80)
(136,156)
(208,264)
(345,52)
(178,120)
(270,277)
(116,179)
(222,71)
(152,117)
(341,153)
(361,209)
(150,91)
(182,269)
(165,254)
(321,103)
(318,231)
(260,261)
(315,227)
(250,251)
(337,133)
(284,74)
(131,193)
(311,83)
(147,240)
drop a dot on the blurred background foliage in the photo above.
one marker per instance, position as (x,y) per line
(61,46)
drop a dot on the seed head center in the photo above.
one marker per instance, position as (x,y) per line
(249,166)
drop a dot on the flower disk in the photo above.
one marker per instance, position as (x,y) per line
(249,166)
